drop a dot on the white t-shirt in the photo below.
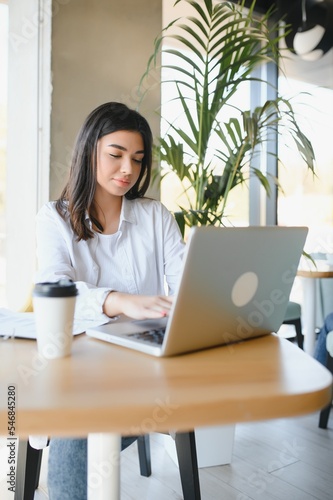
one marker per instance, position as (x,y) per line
(142,257)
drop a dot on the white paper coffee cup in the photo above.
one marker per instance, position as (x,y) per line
(54,305)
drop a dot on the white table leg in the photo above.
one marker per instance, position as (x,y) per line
(309,314)
(104,466)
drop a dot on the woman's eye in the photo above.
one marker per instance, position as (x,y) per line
(114,156)
(138,161)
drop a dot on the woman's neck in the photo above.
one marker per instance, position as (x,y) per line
(107,211)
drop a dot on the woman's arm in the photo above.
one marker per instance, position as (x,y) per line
(60,256)
(137,306)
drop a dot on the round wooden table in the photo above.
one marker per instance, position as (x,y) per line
(309,278)
(103,391)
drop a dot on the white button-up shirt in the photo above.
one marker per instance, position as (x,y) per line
(142,257)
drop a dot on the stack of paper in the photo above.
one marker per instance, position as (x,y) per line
(22,324)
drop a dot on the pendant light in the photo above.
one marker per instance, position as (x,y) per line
(308,38)
(311,33)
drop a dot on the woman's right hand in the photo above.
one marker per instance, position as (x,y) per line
(137,306)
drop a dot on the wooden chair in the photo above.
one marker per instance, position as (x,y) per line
(29,463)
(293,317)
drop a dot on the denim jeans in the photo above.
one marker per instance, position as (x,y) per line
(67,468)
(320,353)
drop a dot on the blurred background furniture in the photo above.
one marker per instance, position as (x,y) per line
(310,283)
(293,317)
(325,412)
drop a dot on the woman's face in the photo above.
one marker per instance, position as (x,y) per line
(119,162)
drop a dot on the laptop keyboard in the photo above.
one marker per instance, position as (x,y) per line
(152,336)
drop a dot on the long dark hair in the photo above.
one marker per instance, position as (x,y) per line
(77,198)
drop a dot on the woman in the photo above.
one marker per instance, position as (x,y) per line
(120,248)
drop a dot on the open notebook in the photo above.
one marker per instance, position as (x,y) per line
(235,285)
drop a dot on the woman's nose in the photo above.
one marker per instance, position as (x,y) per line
(126,166)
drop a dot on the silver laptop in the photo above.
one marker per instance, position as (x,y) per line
(234,286)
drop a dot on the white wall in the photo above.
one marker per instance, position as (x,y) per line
(98,52)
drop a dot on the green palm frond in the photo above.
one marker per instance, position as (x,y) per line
(214,52)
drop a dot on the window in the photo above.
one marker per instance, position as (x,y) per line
(3,141)
(27,159)
(305,199)
(308,200)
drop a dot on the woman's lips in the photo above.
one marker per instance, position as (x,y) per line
(122,182)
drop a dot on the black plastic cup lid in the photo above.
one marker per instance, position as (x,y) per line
(61,288)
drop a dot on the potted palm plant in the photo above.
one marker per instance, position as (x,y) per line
(210,142)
